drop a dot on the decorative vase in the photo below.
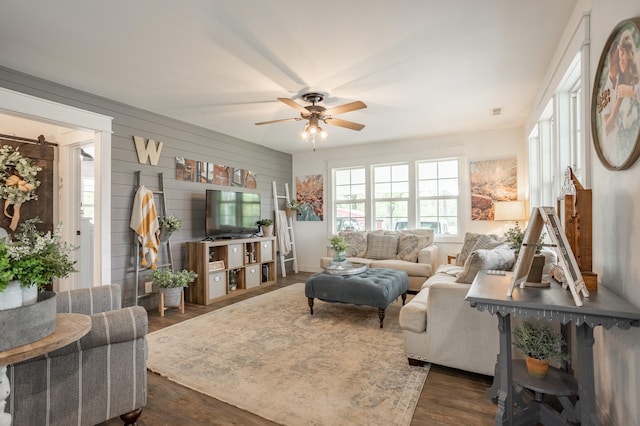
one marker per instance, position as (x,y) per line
(11,297)
(172,296)
(29,295)
(537,368)
(165,235)
(267,230)
(340,256)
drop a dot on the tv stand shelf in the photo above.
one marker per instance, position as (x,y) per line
(252,260)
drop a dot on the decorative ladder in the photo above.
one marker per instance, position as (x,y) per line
(139,268)
(288,225)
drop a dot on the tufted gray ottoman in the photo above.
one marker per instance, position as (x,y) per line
(376,287)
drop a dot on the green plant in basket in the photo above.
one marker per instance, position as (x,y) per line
(166,278)
(515,236)
(293,204)
(169,223)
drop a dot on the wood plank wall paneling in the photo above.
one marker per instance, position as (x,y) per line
(184,199)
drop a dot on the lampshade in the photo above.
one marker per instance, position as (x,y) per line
(509,210)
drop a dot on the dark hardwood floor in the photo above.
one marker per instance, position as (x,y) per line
(449,396)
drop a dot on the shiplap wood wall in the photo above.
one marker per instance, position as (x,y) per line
(184,199)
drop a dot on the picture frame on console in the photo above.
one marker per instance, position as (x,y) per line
(615,104)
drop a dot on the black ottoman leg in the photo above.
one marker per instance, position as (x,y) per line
(404,297)
(310,304)
(381,315)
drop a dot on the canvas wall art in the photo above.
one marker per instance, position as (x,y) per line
(492,180)
(309,190)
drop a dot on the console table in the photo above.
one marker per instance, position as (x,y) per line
(605,308)
(69,328)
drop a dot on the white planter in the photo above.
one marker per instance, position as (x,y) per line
(29,295)
(11,297)
(267,231)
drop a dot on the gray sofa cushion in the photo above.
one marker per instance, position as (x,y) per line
(500,258)
(382,246)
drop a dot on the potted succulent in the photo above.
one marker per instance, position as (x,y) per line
(293,206)
(168,225)
(170,284)
(540,344)
(339,245)
(514,237)
(267,227)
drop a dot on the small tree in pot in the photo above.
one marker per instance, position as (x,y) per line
(540,344)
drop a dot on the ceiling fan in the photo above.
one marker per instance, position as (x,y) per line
(316,113)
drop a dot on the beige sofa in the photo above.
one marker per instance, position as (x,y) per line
(440,326)
(412,251)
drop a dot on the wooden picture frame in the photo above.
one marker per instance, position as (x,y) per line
(615,103)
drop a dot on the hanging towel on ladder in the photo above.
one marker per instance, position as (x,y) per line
(144,221)
(284,241)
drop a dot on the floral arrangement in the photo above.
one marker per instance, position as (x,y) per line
(166,278)
(18,181)
(169,223)
(338,243)
(33,257)
(293,204)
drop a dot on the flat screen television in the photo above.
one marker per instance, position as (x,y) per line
(231,214)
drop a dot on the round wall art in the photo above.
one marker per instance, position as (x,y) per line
(615,104)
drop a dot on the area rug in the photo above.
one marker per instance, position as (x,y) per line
(269,356)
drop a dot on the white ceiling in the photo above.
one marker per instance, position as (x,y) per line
(423,67)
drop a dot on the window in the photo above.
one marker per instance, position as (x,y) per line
(391,195)
(418,194)
(350,198)
(438,195)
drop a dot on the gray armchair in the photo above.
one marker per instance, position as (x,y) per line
(101,376)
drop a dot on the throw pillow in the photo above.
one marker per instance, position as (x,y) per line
(500,258)
(381,247)
(474,241)
(409,245)
(357,241)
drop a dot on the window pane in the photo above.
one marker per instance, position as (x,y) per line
(438,185)
(448,186)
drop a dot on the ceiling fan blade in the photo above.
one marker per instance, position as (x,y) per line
(294,105)
(279,121)
(343,123)
(352,106)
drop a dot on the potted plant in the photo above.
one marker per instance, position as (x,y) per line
(293,206)
(170,284)
(340,246)
(168,225)
(540,344)
(31,260)
(514,237)
(267,227)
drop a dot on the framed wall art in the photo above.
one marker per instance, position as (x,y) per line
(615,104)
(491,181)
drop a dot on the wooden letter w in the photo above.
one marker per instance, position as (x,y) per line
(150,151)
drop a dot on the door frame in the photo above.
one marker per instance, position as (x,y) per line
(28,106)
